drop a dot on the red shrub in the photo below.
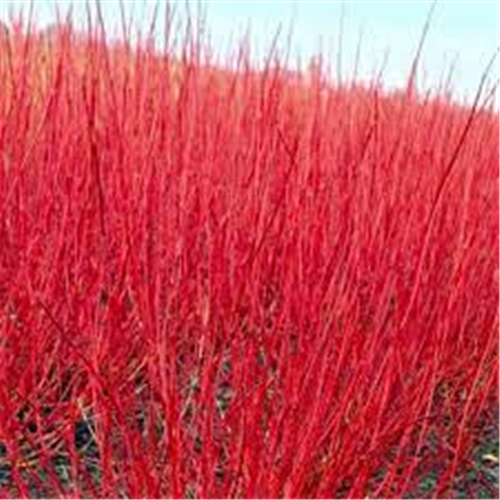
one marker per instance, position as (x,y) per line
(238,283)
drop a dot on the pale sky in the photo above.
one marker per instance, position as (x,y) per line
(464,32)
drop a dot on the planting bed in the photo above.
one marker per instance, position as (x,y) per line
(241,283)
